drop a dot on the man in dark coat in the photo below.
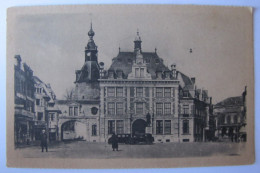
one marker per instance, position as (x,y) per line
(44,141)
(114,142)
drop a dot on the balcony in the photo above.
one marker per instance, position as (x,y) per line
(23,112)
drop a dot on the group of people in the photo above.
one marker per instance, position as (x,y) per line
(44,142)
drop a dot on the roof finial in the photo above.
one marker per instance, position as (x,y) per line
(119,48)
(155,50)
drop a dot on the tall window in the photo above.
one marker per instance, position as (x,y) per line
(186,109)
(159,108)
(159,92)
(111,126)
(70,111)
(75,111)
(119,92)
(94,130)
(159,127)
(137,72)
(142,72)
(185,127)
(185,94)
(235,119)
(119,108)
(110,92)
(167,127)
(37,101)
(139,108)
(167,92)
(119,127)
(228,119)
(40,116)
(111,108)
(52,117)
(167,108)
(139,92)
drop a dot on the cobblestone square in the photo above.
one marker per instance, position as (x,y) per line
(83,149)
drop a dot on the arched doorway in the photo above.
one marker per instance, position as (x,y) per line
(73,130)
(138,126)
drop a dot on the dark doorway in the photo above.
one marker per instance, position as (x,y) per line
(138,126)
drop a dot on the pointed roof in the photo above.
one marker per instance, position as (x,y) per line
(125,60)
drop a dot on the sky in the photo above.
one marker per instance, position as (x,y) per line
(52,41)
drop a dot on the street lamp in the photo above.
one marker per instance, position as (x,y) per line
(131,119)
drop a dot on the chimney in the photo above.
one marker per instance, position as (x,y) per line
(193,80)
(174,72)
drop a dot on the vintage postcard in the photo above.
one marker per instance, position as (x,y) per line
(130,86)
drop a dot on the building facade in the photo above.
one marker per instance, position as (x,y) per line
(137,94)
(231,118)
(46,112)
(80,112)
(24,102)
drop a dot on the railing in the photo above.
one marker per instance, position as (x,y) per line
(24,112)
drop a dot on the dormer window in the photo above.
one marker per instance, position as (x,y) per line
(110,74)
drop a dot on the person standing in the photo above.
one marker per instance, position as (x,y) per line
(114,142)
(44,141)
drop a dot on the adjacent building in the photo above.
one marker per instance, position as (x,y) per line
(24,102)
(46,112)
(231,118)
(35,108)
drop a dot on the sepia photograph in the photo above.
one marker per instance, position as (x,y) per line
(130,86)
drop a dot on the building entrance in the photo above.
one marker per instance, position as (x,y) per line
(138,126)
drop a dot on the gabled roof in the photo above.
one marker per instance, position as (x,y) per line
(231,101)
(125,60)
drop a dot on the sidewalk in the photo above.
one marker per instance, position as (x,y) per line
(35,143)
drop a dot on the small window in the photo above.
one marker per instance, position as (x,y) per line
(75,111)
(119,92)
(159,127)
(119,108)
(185,127)
(159,108)
(37,101)
(40,116)
(94,130)
(159,92)
(139,92)
(167,92)
(70,111)
(110,92)
(139,108)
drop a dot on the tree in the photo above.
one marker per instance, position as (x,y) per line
(69,94)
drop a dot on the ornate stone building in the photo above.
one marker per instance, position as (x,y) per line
(80,113)
(137,94)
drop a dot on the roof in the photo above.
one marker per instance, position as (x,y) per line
(231,101)
(77,101)
(125,60)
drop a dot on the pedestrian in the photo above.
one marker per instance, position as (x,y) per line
(114,142)
(44,141)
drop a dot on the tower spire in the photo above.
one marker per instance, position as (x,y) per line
(137,42)
(91,48)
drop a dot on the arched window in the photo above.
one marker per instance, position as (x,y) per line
(94,130)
